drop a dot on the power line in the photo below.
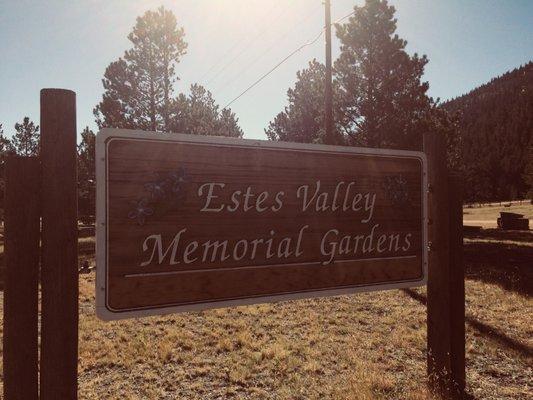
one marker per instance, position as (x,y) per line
(343,18)
(247,46)
(235,56)
(274,68)
(283,61)
(268,50)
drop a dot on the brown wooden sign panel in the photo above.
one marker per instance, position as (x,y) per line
(188,222)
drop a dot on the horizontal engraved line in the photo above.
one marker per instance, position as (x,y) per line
(191,271)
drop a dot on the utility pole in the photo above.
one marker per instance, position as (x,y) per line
(328,101)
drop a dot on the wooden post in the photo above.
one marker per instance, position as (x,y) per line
(59,276)
(457,286)
(438,285)
(22,226)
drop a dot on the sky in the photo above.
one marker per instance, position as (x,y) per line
(69,43)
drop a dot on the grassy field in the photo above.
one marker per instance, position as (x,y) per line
(364,346)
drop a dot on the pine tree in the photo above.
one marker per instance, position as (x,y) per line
(495,128)
(86,173)
(383,98)
(26,140)
(6,149)
(199,114)
(379,98)
(5,144)
(303,119)
(139,86)
(228,124)
(528,172)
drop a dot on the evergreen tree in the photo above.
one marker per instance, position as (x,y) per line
(528,172)
(495,127)
(86,173)
(383,98)
(303,119)
(228,124)
(139,86)
(198,114)
(6,148)
(26,140)
(379,97)
(5,144)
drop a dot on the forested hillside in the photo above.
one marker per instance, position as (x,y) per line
(495,125)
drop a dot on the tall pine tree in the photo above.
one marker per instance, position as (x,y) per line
(139,86)
(379,97)
(383,99)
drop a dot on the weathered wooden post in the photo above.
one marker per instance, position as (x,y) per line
(438,294)
(457,286)
(22,231)
(59,276)
(445,287)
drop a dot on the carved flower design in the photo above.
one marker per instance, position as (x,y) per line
(141,211)
(164,191)
(177,179)
(156,189)
(397,190)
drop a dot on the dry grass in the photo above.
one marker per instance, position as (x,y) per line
(368,346)
(365,346)
(336,348)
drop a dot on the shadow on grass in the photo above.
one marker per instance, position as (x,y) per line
(524,237)
(487,330)
(504,258)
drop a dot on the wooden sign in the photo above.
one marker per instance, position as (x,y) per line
(192,222)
